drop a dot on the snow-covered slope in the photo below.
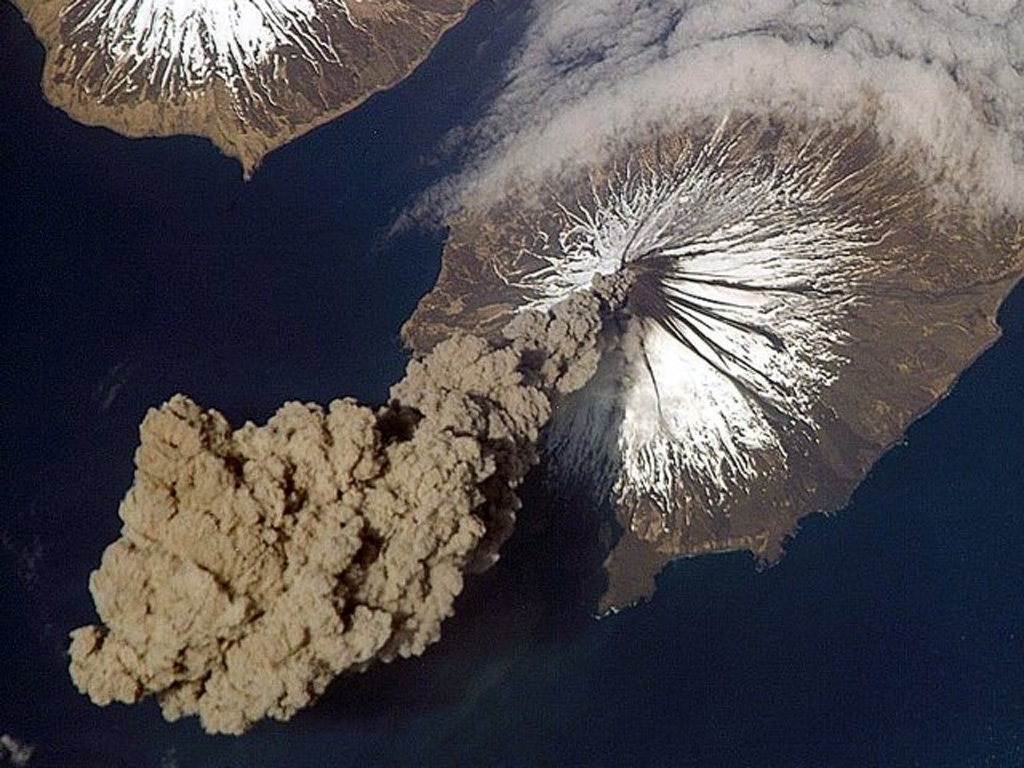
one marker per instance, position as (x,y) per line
(176,45)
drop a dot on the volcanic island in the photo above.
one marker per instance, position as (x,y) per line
(798,294)
(250,75)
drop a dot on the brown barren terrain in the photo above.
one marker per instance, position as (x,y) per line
(290,93)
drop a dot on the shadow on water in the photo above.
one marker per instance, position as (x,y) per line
(540,595)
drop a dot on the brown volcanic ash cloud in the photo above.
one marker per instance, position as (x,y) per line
(257,564)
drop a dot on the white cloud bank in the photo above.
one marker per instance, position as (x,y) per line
(945,80)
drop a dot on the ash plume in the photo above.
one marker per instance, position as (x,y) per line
(257,564)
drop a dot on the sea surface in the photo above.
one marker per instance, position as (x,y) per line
(891,634)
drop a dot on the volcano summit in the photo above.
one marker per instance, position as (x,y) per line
(251,75)
(797,296)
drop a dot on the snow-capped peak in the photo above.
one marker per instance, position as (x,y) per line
(249,74)
(187,42)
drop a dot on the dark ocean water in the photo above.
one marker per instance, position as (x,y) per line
(890,635)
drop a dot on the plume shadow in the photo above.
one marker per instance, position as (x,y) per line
(542,593)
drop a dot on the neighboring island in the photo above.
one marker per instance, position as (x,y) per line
(249,75)
(798,295)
